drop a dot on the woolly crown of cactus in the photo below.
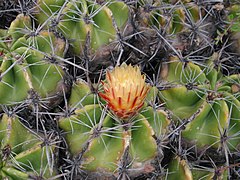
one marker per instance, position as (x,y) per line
(125,90)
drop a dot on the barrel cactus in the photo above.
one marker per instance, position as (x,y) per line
(93,89)
(86,24)
(24,154)
(30,65)
(205,104)
(121,142)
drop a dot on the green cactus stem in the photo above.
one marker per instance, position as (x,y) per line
(102,140)
(183,170)
(82,20)
(206,100)
(23,154)
(30,64)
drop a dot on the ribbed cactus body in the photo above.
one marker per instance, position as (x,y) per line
(30,63)
(183,170)
(23,154)
(206,100)
(176,18)
(84,23)
(105,142)
(170,111)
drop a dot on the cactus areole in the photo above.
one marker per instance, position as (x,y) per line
(125,90)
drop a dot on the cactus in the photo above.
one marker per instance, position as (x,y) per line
(176,18)
(24,154)
(184,24)
(30,65)
(232,34)
(181,169)
(106,142)
(205,104)
(165,105)
(205,98)
(85,24)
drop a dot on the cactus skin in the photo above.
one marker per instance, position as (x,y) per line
(79,21)
(234,18)
(23,155)
(204,103)
(171,20)
(183,170)
(207,101)
(27,63)
(103,141)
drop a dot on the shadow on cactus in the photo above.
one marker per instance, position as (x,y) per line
(28,59)
(121,142)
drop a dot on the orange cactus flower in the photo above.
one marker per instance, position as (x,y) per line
(125,90)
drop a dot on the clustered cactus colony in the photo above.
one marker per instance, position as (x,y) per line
(143,89)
